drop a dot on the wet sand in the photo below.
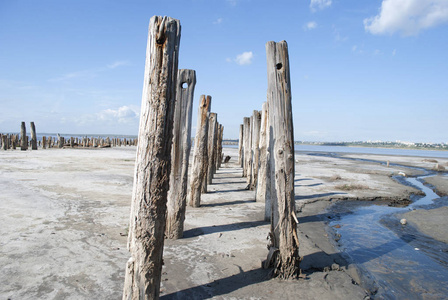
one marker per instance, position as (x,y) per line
(66,212)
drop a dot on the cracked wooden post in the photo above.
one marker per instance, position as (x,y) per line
(240,146)
(200,152)
(180,154)
(263,192)
(284,244)
(153,161)
(33,136)
(211,144)
(246,146)
(23,139)
(256,123)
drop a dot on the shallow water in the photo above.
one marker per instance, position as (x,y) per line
(402,262)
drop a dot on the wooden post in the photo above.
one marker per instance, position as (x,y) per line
(13,141)
(246,146)
(4,142)
(72,142)
(283,236)
(219,146)
(250,158)
(200,152)
(23,140)
(263,192)
(240,146)
(153,161)
(211,144)
(256,123)
(180,154)
(33,136)
(44,142)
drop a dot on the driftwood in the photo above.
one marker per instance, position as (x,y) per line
(200,156)
(283,227)
(153,161)
(23,139)
(33,136)
(180,154)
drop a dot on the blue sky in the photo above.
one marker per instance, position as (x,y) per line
(360,70)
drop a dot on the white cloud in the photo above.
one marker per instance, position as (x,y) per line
(310,25)
(408,17)
(319,4)
(244,58)
(218,21)
(394,52)
(124,114)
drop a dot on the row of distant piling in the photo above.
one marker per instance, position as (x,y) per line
(24,142)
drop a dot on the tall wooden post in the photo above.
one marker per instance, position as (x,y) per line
(219,152)
(153,161)
(211,143)
(250,156)
(246,146)
(263,192)
(256,123)
(200,152)
(240,146)
(23,139)
(33,136)
(284,242)
(180,154)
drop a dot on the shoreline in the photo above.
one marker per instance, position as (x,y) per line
(66,216)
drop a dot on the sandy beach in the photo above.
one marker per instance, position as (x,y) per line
(65,214)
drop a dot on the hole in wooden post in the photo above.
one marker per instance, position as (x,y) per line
(184,85)
(279,66)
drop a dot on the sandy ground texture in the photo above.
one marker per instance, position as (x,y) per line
(65,214)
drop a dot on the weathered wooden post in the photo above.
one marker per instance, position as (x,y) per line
(200,156)
(23,139)
(246,146)
(219,146)
(153,161)
(44,142)
(33,136)
(4,142)
(256,123)
(263,192)
(250,161)
(60,141)
(180,154)
(13,141)
(72,142)
(284,242)
(211,144)
(240,146)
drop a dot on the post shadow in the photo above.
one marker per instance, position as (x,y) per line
(221,286)
(297,197)
(222,228)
